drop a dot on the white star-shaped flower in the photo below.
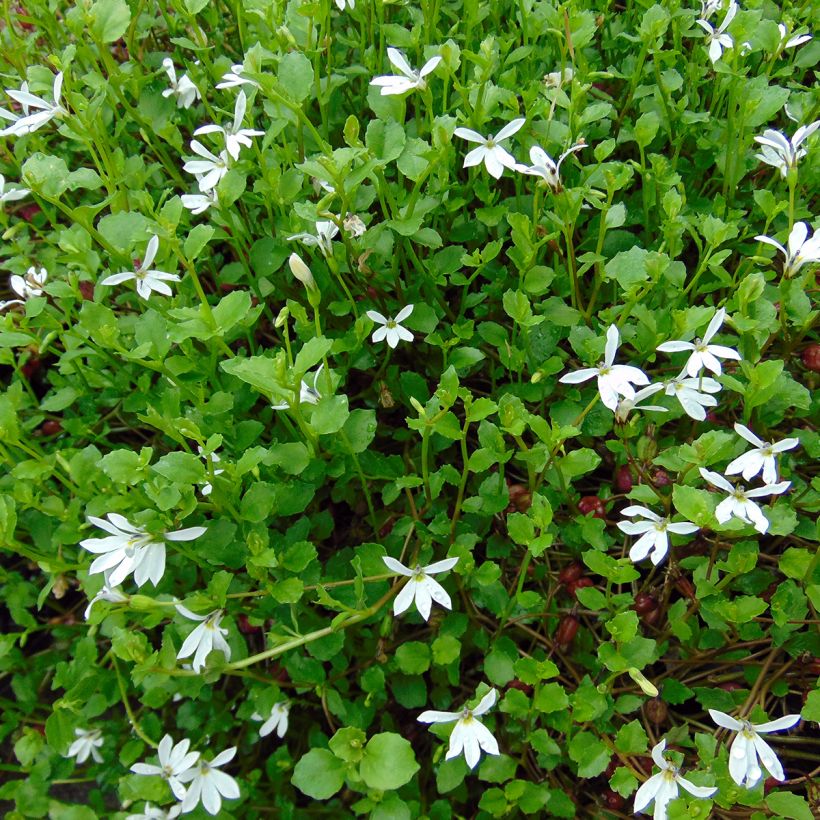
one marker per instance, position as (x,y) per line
(209,784)
(87,743)
(183,88)
(199,203)
(802,250)
(693,393)
(209,635)
(13,193)
(234,78)
(626,406)
(738,503)
(421,588)
(277,721)
(545,167)
(494,156)
(129,549)
(147,280)
(613,379)
(391,329)
(209,169)
(322,239)
(653,533)
(704,354)
(762,457)
(308,391)
(174,761)
(663,786)
(235,135)
(748,746)
(469,735)
(26,287)
(717,38)
(409,80)
(781,152)
(44,111)
(787,41)
(150,812)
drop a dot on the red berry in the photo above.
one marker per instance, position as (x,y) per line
(660,478)
(623,479)
(571,572)
(656,710)
(811,357)
(87,290)
(521,686)
(567,629)
(591,504)
(644,603)
(31,366)
(730,686)
(580,583)
(245,625)
(51,427)
(613,800)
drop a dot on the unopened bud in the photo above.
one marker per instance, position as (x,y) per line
(417,406)
(646,685)
(301,271)
(282,317)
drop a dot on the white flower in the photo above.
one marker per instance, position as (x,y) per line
(234,78)
(209,784)
(351,4)
(688,391)
(391,328)
(626,406)
(704,354)
(709,7)
(129,549)
(738,503)
(183,89)
(613,379)
(469,734)
(653,533)
(207,487)
(278,720)
(762,457)
(87,743)
(410,79)
(494,156)
(748,746)
(175,761)
(354,225)
(26,286)
(718,39)
(107,593)
(791,42)
(13,193)
(208,170)
(545,167)
(801,250)
(663,786)
(199,203)
(421,588)
(322,239)
(45,111)
(150,812)
(555,79)
(782,153)
(147,280)
(308,393)
(235,135)
(207,636)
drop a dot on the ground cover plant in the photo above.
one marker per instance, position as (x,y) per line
(409,409)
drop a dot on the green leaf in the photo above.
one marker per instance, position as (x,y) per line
(296,76)
(259,371)
(631,738)
(590,753)
(45,175)
(319,774)
(385,140)
(789,805)
(109,19)
(628,268)
(348,744)
(388,762)
(329,415)
(197,239)
(312,353)
(413,658)
(694,505)
(184,468)
(231,310)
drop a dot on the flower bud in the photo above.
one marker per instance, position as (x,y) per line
(646,685)
(302,272)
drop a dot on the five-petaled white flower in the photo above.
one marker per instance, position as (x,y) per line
(409,79)
(693,393)
(802,250)
(494,156)
(469,734)
(545,167)
(718,38)
(207,636)
(738,502)
(787,41)
(208,170)
(613,379)
(748,746)
(322,239)
(44,113)
(13,193)
(278,720)
(762,457)
(209,784)
(234,78)
(183,88)
(199,203)
(391,328)
(26,287)
(129,549)
(150,812)
(626,406)
(87,743)
(555,79)
(107,593)
(421,588)
(653,533)
(174,761)
(783,153)
(308,392)
(147,279)
(703,353)
(663,786)
(235,135)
